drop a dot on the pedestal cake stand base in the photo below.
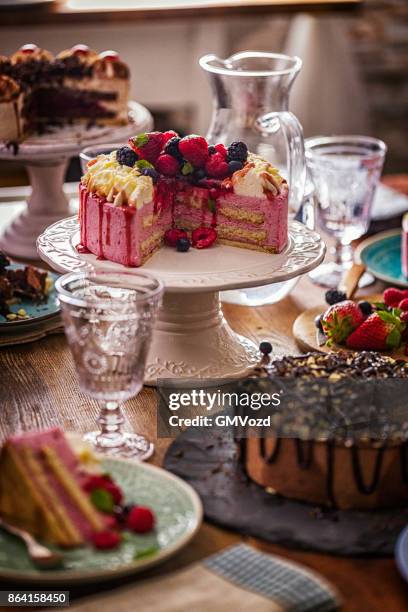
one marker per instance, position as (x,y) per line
(192,338)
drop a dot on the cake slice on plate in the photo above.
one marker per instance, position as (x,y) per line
(41,489)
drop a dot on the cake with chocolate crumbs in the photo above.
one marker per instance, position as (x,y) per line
(39,90)
(339,437)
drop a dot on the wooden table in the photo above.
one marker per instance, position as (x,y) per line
(38,388)
(86,11)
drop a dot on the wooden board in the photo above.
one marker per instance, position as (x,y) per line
(305,332)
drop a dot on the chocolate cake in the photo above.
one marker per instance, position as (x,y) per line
(38,90)
(339,438)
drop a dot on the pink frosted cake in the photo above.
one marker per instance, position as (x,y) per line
(404,246)
(181,192)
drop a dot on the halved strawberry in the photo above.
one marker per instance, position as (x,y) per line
(340,320)
(381,331)
(147,145)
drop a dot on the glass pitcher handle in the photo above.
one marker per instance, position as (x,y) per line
(295,147)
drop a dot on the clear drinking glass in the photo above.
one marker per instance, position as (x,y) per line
(345,171)
(108,318)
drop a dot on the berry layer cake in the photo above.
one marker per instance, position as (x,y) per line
(38,90)
(56,492)
(367,467)
(162,189)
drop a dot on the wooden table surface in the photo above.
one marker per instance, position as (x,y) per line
(86,11)
(38,388)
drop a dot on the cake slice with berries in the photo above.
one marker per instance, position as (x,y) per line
(163,189)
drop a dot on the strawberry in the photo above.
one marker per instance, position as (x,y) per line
(216,166)
(140,519)
(147,145)
(172,235)
(203,237)
(393,296)
(403,305)
(381,331)
(167,165)
(194,149)
(340,320)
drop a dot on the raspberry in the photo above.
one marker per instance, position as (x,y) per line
(220,148)
(147,146)
(103,481)
(404,317)
(168,135)
(194,149)
(237,151)
(172,235)
(167,165)
(203,237)
(393,296)
(403,305)
(140,519)
(172,149)
(216,166)
(125,156)
(104,540)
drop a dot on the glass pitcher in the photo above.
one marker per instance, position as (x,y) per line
(251,100)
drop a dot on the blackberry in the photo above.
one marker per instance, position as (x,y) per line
(333,296)
(126,157)
(234,166)
(4,261)
(154,175)
(265,348)
(365,307)
(183,245)
(172,149)
(237,151)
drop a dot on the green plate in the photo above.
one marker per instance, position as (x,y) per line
(178,512)
(36,311)
(381,255)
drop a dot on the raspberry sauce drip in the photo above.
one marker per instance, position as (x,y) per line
(129,212)
(82,248)
(100,230)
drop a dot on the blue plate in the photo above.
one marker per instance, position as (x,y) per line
(401,553)
(381,255)
(35,311)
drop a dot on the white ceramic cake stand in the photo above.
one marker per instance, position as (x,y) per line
(46,158)
(192,338)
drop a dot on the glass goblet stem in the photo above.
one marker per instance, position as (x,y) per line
(111,420)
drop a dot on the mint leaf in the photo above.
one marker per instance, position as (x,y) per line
(102,500)
(212,207)
(187,169)
(141,140)
(141,164)
(146,552)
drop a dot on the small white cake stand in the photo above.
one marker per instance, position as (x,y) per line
(46,158)
(192,339)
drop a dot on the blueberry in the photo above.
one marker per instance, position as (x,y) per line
(318,322)
(333,296)
(154,175)
(211,150)
(171,148)
(365,307)
(183,245)
(199,174)
(234,166)
(237,151)
(126,157)
(265,348)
